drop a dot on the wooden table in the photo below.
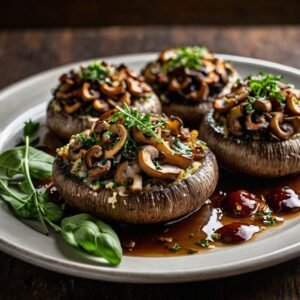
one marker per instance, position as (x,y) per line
(23,53)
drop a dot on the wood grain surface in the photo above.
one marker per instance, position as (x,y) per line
(23,53)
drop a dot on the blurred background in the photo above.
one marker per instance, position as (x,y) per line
(83,13)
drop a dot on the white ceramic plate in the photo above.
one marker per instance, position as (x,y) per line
(27,99)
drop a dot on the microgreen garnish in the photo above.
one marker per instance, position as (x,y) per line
(181,148)
(132,117)
(88,141)
(175,247)
(264,86)
(94,72)
(157,165)
(130,149)
(203,243)
(189,57)
(18,167)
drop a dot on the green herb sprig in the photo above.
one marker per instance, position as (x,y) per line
(133,118)
(18,168)
(189,57)
(94,72)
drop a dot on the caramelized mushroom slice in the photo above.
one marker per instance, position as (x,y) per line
(140,137)
(280,129)
(121,131)
(293,104)
(233,123)
(200,95)
(100,169)
(127,172)
(146,157)
(87,94)
(168,54)
(71,108)
(137,88)
(295,122)
(107,115)
(100,126)
(224,104)
(253,126)
(263,105)
(100,105)
(173,158)
(113,90)
(92,155)
(74,152)
(126,98)
(175,125)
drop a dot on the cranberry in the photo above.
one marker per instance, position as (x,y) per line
(284,199)
(236,232)
(240,204)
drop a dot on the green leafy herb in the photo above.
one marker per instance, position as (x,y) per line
(181,148)
(267,218)
(157,165)
(130,149)
(216,236)
(31,128)
(17,168)
(88,141)
(94,236)
(203,243)
(189,57)
(265,85)
(94,72)
(132,117)
(175,247)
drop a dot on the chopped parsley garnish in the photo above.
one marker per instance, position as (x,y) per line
(88,142)
(181,148)
(216,236)
(264,86)
(157,165)
(94,72)
(31,128)
(130,149)
(189,57)
(267,218)
(203,243)
(175,247)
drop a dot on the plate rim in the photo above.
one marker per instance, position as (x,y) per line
(114,274)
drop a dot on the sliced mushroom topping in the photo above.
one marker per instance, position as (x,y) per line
(129,173)
(137,88)
(224,104)
(280,129)
(92,156)
(175,125)
(100,105)
(233,123)
(168,54)
(200,95)
(263,105)
(140,137)
(121,131)
(146,158)
(71,108)
(107,115)
(112,90)
(74,152)
(126,98)
(174,158)
(100,126)
(295,122)
(260,123)
(87,94)
(100,169)
(293,104)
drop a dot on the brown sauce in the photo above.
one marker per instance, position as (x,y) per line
(187,235)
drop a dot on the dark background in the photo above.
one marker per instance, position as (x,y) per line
(81,13)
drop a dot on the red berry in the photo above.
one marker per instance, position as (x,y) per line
(236,232)
(284,199)
(240,204)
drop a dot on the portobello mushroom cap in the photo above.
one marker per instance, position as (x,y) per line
(78,101)
(185,90)
(146,207)
(257,158)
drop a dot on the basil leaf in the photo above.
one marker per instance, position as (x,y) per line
(94,236)
(40,163)
(52,212)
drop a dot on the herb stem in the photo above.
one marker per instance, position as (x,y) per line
(28,177)
(139,123)
(8,191)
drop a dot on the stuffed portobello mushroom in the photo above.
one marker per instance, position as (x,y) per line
(83,96)
(255,129)
(136,168)
(186,79)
